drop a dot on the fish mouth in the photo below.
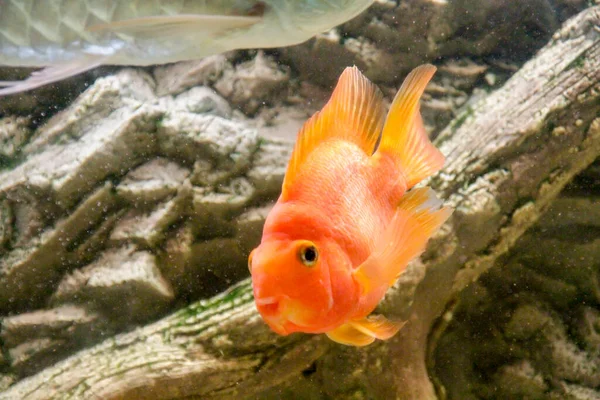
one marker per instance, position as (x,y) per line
(267,301)
(268,305)
(280,314)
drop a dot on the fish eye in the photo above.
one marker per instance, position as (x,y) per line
(250,260)
(308,254)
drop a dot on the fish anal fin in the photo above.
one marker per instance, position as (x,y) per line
(176,25)
(51,74)
(364,332)
(417,217)
(404,137)
(354,113)
(378,326)
(350,336)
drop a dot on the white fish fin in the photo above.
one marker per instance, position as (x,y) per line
(176,25)
(51,74)
(417,218)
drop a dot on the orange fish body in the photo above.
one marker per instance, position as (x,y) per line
(345,226)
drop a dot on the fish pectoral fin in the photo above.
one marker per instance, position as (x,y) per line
(364,332)
(354,113)
(417,217)
(51,74)
(350,336)
(404,137)
(378,326)
(176,25)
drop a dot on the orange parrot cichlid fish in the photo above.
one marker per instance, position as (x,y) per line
(346,224)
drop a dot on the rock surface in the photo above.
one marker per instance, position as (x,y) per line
(528,328)
(92,215)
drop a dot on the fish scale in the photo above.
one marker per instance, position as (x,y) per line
(40,23)
(72,36)
(63,21)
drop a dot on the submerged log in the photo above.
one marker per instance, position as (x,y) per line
(508,157)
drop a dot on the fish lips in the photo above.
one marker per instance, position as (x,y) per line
(284,315)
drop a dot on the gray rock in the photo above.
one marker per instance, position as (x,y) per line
(249,227)
(201,100)
(587,320)
(528,328)
(109,215)
(174,257)
(576,392)
(222,258)
(31,354)
(88,246)
(28,274)
(108,103)
(269,166)
(521,380)
(568,261)
(206,266)
(566,360)
(565,211)
(37,339)
(176,78)
(6,380)
(67,172)
(464,73)
(225,201)
(285,121)
(206,174)
(188,137)
(14,132)
(124,283)
(148,229)
(254,83)
(526,321)
(152,181)
(61,322)
(6,228)
(313,58)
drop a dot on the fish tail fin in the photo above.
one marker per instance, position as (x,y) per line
(418,216)
(404,137)
(354,113)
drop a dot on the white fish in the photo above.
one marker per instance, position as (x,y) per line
(68,37)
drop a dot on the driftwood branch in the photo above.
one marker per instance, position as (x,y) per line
(508,158)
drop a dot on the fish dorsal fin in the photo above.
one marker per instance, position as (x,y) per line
(404,137)
(354,113)
(173,26)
